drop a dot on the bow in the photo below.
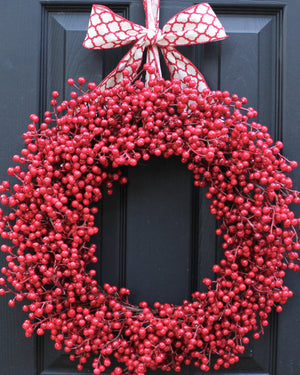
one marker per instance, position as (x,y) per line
(195,25)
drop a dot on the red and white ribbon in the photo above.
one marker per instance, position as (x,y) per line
(195,25)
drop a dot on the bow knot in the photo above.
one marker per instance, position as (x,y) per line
(195,25)
(153,37)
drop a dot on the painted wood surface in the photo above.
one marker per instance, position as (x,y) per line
(156,234)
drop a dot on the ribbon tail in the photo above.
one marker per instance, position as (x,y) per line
(152,21)
(154,60)
(180,67)
(135,55)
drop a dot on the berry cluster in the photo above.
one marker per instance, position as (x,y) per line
(50,220)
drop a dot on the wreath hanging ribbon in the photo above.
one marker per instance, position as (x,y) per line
(195,25)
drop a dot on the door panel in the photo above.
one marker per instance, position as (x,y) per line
(19,89)
(156,235)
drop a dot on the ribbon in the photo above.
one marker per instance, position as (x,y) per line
(195,25)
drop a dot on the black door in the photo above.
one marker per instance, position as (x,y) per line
(156,234)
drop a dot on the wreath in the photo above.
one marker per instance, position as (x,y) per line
(49,220)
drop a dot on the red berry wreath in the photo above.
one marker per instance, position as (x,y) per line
(50,221)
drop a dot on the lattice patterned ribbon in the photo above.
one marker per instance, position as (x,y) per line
(195,25)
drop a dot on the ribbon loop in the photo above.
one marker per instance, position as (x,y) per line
(109,30)
(195,25)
